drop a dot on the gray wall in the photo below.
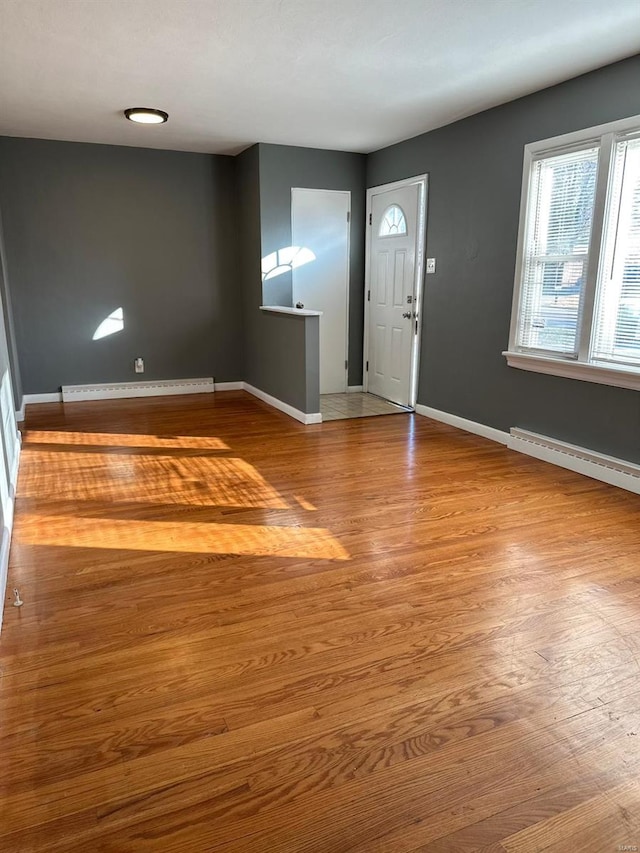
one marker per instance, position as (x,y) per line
(89,228)
(283,167)
(475,173)
(281,351)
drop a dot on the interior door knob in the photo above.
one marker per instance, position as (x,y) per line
(407,315)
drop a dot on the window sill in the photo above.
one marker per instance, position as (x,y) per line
(620,377)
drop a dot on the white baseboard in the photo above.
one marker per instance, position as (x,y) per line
(355,389)
(28,399)
(599,466)
(462,423)
(9,508)
(20,412)
(5,545)
(303,417)
(120,390)
(126,390)
(229,386)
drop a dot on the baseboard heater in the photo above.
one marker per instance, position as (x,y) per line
(115,390)
(608,469)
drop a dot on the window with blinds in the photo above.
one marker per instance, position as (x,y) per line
(577,290)
(617,315)
(561,200)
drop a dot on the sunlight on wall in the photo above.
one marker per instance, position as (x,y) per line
(110,325)
(140,478)
(182,536)
(285,260)
(105,439)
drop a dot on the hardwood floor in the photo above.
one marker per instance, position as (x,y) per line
(378,635)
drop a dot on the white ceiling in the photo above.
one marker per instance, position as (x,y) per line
(354,75)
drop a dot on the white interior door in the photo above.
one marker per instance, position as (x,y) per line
(395,259)
(320,222)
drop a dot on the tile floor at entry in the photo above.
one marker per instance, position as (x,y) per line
(336,407)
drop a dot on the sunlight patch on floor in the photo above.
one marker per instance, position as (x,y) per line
(305,504)
(143,478)
(105,439)
(182,537)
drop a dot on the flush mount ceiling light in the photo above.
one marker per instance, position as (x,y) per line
(146,115)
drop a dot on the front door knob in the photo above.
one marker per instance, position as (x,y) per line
(407,315)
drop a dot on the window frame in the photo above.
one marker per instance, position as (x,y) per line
(605,136)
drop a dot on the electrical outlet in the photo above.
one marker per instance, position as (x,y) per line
(431,266)
(139,365)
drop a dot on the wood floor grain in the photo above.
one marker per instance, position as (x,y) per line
(380,635)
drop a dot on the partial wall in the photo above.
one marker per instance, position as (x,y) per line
(281,350)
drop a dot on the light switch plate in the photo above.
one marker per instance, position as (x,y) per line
(431,266)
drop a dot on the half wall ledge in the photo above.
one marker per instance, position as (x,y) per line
(284,309)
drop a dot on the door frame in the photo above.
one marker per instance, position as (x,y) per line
(348,194)
(418,277)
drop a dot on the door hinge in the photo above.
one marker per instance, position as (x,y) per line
(368,296)
(367,366)
(348,216)
(346,365)
(370,216)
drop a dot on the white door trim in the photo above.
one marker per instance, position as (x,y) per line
(418,281)
(340,192)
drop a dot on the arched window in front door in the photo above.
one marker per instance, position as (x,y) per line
(393,222)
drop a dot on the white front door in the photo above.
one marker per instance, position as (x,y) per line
(320,222)
(395,268)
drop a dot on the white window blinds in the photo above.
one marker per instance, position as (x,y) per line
(556,250)
(616,330)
